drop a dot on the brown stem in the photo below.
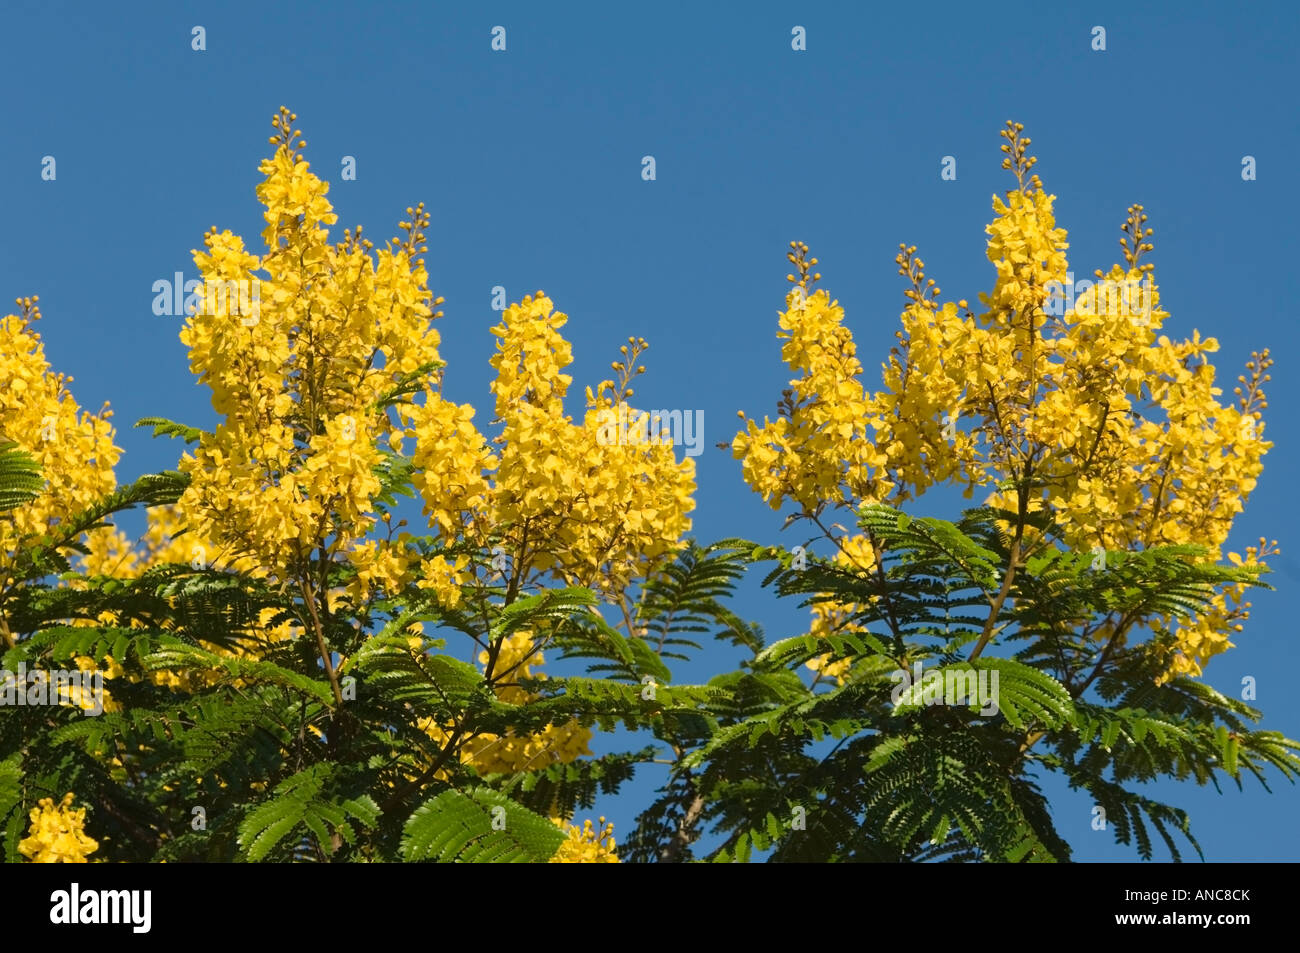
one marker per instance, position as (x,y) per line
(681,842)
(320,642)
(1013,559)
(995,608)
(429,774)
(1101,429)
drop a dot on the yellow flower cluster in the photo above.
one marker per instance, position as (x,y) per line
(300,370)
(819,450)
(74,449)
(559,499)
(57,834)
(1099,417)
(452,460)
(1026,248)
(76,696)
(586,845)
(1199,639)
(444,578)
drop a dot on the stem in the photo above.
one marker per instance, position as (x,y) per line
(428,775)
(1013,559)
(681,841)
(320,642)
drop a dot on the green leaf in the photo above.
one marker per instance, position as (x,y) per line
(20,476)
(162,427)
(301,799)
(478,827)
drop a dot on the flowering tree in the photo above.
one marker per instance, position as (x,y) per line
(1109,475)
(329,643)
(285,659)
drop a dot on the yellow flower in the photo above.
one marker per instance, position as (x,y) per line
(585,845)
(444,578)
(57,834)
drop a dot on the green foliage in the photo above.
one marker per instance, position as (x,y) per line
(761,762)
(304,800)
(881,766)
(20,477)
(162,427)
(475,827)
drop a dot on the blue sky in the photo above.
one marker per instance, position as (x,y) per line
(529,162)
